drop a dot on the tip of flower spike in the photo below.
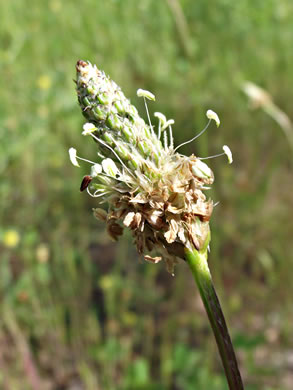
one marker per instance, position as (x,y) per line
(213,116)
(72,156)
(85,72)
(146,94)
(228,153)
(80,63)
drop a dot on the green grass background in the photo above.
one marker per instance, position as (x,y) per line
(79,312)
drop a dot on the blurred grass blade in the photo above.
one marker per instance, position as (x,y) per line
(260,98)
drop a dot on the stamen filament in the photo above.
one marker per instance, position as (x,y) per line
(113,151)
(159,131)
(148,115)
(84,159)
(214,156)
(101,194)
(165,141)
(171,137)
(194,138)
(94,194)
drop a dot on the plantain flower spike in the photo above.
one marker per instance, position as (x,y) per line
(147,185)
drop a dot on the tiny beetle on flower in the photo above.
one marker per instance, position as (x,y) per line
(85,182)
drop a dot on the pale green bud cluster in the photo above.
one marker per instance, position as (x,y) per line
(115,119)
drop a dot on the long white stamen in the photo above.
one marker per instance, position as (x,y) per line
(227,152)
(171,137)
(159,131)
(194,138)
(84,159)
(94,194)
(148,115)
(113,151)
(89,192)
(165,141)
(214,156)
(162,122)
(97,195)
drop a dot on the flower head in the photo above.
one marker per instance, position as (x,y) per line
(148,186)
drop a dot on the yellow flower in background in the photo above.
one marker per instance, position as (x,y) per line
(44,82)
(107,282)
(11,238)
(42,253)
(55,5)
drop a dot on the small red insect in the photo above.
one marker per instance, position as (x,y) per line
(85,182)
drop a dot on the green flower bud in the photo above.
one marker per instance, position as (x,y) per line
(99,114)
(103,98)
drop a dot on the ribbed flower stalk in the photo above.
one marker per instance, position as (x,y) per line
(198,263)
(148,186)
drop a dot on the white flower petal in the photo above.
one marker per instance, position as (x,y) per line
(88,128)
(146,94)
(170,122)
(201,170)
(72,156)
(212,115)
(152,259)
(228,153)
(96,170)
(129,218)
(109,167)
(161,117)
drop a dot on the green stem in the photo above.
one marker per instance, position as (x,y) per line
(198,264)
